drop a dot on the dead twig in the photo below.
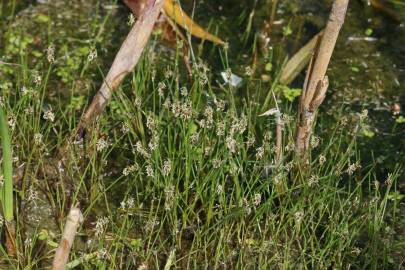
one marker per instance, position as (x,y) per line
(316,82)
(8,64)
(73,220)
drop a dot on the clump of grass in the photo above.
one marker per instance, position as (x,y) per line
(182,173)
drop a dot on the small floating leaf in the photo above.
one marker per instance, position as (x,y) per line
(43,18)
(355,69)
(289,93)
(43,234)
(400,120)
(368,32)
(287,30)
(368,133)
(136,243)
(37,54)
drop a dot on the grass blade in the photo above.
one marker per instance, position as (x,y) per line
(7,189)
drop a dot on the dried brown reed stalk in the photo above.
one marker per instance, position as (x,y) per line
(10,238)
(316,81)
(73,221)
(125,60)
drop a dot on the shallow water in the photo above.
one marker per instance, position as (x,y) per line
(367,70)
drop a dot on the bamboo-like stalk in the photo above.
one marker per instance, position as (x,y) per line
(73,221)
(316,82)
(6,194)
(125,60)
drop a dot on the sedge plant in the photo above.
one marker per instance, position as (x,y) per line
(6,190)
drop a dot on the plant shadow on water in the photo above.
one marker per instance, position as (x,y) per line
(135,218)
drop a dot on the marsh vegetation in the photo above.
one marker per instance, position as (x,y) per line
(182,170)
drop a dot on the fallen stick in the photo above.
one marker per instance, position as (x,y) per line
(125,60)
(316,82)
(9,64)
(73,220)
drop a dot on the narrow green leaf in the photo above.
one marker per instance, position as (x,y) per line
(7,189)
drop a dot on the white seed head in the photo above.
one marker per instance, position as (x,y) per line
(221,128)
(248,71)
(259,152)
(161,88)
(138,102)
(246,206)
(290,147)
(322,159)
(51,53)
(168,73)
(37,79)
(149,170)
(231,144)
(38,138)
(131,19)
(364,115)
(315,141)
(219,190)
(313,180)
(101,226)
(92,55)
(130,169)
(11,122)
(251,141)
(257,199)
(49,115)
(299,216)
(167,166)
(150,123)
(183,91)
(194,138)
(124,128)
(154,143)
(352,168)
(101,144)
